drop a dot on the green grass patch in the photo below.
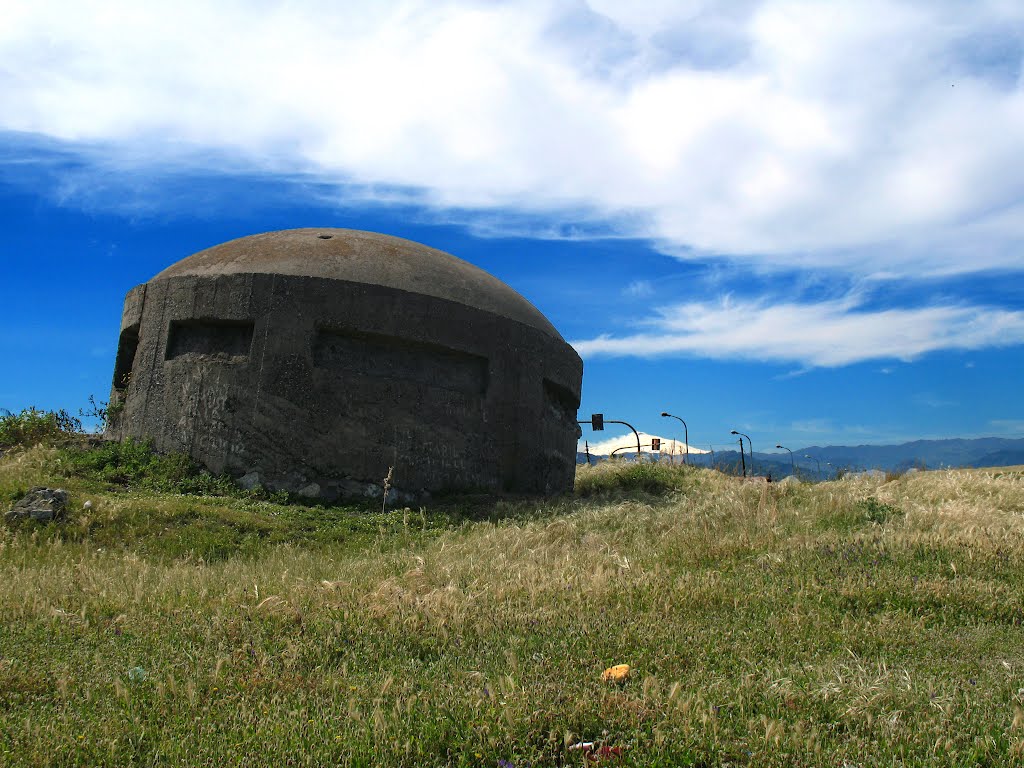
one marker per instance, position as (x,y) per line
(34,427)
(864,622)
(860,513)
(625,477)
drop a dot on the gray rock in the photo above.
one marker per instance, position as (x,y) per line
(311,491)
(40,504)
(869,473)
(353,489)
(250,480)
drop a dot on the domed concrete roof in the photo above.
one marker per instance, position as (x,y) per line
(364,257)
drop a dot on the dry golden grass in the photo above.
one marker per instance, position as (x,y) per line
(857,622)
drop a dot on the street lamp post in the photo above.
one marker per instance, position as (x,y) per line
(749,445)
(686,436)
(597,422)
(743,460)
(792,462)
(637,434)
(624,448)
(808,456)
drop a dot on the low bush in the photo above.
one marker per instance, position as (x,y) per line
(864,512)
(34,427)
(134,464)
(877,512)
(623,477)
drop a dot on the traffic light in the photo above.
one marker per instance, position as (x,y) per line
(655,444)
(597,422)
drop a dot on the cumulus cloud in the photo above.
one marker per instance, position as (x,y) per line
(824,334)
(868,136)
(625,444)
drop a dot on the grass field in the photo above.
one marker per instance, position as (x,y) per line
(851,623)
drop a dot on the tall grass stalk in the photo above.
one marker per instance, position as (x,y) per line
(861,623)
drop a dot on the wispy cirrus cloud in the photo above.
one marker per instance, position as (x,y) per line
(639,289)
(1011,427)
(872,137)
(823,334)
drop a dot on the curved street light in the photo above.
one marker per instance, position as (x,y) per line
(792,462)
(623,423)
(743,460)
(612,421)
(749,445)
(624,448)
(686,436)
(808,456)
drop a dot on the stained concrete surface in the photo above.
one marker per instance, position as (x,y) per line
(313,360)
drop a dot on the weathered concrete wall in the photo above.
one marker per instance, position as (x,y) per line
(313,380)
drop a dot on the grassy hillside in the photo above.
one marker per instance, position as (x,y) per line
(850,623)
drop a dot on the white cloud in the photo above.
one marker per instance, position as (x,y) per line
(639,289)
(874,137)
(813,426)
(931,400)
(1010,427)
(825,334)
(626,445)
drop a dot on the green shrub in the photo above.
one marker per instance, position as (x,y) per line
(622,476)
(877,512)
(135,464)
(869,511)
(34,427)
(100,412)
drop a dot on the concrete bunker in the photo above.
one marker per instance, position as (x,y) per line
(312,360)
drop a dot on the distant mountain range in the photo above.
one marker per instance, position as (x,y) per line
(826,461)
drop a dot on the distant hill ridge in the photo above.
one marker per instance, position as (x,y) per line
(930,454)
(954,452)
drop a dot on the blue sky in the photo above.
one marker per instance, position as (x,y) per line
(801,220)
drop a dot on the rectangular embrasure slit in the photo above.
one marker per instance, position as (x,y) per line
(127,346)
(430,365)
(221,341)
(561,400)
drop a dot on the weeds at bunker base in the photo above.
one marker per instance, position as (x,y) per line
(861,622)
(315,359)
